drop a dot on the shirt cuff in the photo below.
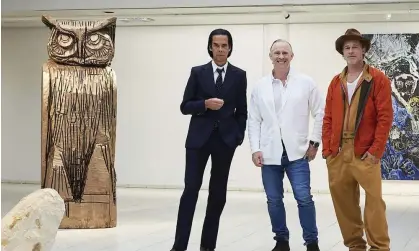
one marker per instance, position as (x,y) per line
(255,151)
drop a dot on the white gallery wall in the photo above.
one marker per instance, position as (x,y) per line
(152,66)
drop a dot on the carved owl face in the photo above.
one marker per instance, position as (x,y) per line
(85,43)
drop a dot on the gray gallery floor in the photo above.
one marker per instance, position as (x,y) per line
(146,221)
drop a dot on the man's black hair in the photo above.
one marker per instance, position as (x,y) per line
(220,32)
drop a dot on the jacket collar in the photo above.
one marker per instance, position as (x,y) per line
(291,73)
(365,73)
(215,67)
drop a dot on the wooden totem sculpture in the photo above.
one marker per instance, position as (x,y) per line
(79,120)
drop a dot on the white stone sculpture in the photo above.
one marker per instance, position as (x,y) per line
(33,223)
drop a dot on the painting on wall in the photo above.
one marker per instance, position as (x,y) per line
(397,55)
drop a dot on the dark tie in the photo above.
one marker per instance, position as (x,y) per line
(219,81)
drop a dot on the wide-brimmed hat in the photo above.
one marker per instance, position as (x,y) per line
(352,34)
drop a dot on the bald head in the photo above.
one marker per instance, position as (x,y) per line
(282,42)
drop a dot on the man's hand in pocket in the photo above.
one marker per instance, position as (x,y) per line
(369,157)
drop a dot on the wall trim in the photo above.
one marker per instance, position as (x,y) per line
(243,189)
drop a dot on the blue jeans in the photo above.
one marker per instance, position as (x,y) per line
(298,173)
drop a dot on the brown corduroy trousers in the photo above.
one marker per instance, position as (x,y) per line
(347,173)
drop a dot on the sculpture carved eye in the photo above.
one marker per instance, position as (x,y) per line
(94,38)
(96,41)
(65,40)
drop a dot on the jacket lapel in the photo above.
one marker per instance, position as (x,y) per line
(285,95)
(209,84)
(228,80)
(268,95)
(289,85)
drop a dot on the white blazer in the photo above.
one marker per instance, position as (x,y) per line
(264,132)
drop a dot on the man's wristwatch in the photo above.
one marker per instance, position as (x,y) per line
(315,144)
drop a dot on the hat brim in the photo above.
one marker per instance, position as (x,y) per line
(342,39)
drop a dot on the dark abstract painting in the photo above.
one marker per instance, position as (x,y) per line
(397,55)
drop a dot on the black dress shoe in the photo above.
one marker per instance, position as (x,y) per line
(313,247)
(282,246)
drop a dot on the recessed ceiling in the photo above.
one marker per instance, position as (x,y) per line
(49,5)
(230,15)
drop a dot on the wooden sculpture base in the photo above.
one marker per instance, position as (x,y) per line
(78,142)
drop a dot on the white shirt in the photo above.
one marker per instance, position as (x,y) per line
(268,125)
(214,69)
(351,87)
(280,92)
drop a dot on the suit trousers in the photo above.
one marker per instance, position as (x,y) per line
(347,173)
(196,161)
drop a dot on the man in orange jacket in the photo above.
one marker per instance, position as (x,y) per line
(357,121)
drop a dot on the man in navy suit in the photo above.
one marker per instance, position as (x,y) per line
(215,96)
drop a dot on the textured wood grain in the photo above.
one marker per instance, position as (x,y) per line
(78,42)
(78,142)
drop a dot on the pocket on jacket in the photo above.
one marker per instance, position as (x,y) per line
(264,141)
(265,146)
(302,138)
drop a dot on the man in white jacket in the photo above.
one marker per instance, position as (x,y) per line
(279,113)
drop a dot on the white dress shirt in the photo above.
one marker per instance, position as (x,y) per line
(282,113)
(214,69)
(280,92)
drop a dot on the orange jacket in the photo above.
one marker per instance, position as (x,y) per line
(374,114)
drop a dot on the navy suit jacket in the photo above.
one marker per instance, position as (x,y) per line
(231,117)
